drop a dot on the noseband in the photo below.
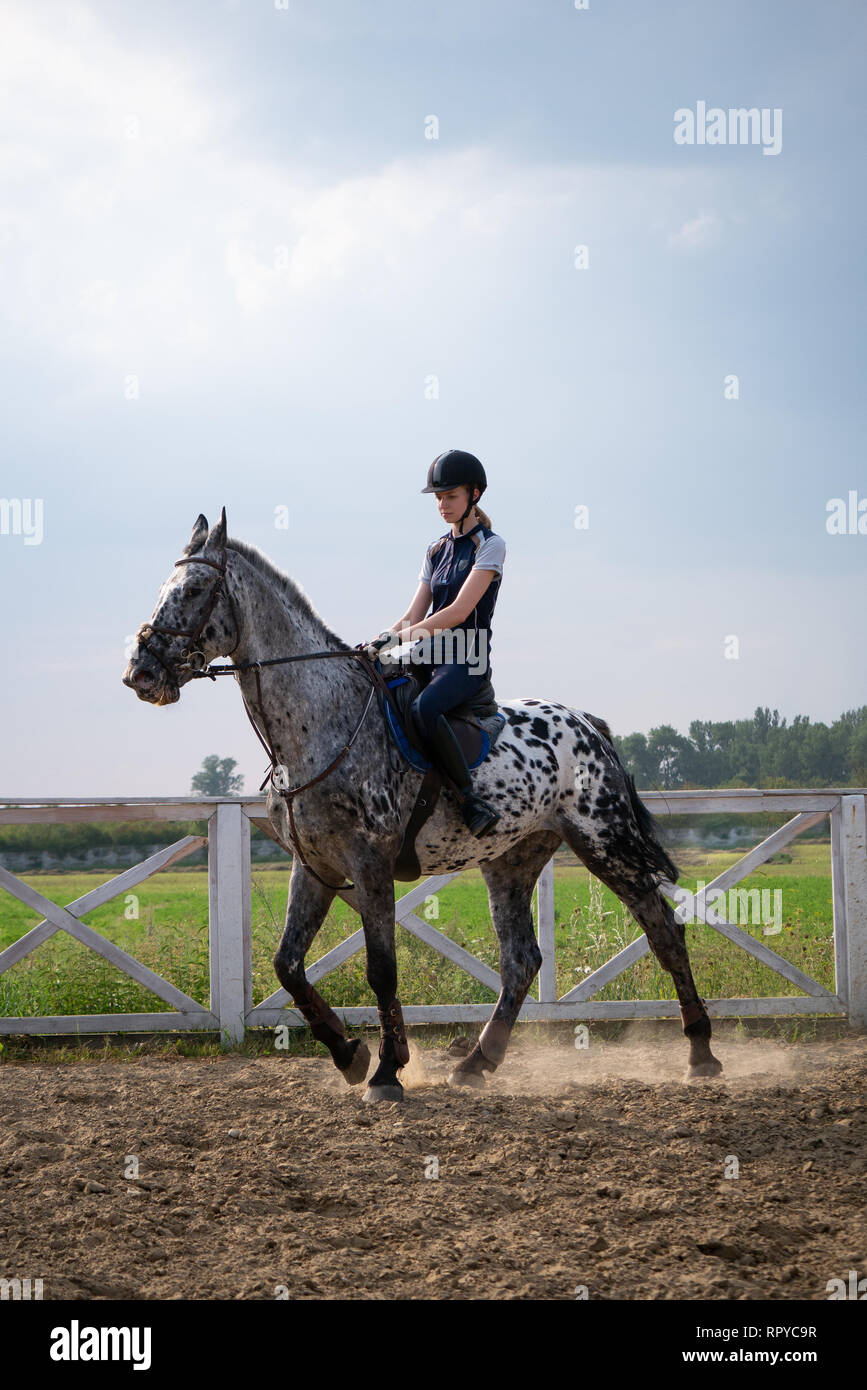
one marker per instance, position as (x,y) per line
(192,659)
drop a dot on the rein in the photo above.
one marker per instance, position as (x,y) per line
(268,743)
(210,672)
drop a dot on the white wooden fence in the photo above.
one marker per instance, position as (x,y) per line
(231,1009)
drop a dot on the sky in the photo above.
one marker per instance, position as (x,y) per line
(235,269)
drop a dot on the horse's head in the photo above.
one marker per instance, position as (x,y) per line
(194,620)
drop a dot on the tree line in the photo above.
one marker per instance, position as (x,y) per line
(764,751)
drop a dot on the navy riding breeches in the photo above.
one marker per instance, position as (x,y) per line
(449,685)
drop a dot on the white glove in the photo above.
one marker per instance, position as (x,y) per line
(381,644)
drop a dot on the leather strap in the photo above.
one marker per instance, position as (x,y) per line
(691,1013)
(322,1019)
(149,629)
(288,793)
(406,865)
(391,1022)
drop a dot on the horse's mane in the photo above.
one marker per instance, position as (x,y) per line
(289,591)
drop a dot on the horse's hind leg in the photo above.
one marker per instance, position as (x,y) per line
(510,881)
(309,901)
(667,937)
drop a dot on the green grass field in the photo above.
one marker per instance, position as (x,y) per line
(170,934)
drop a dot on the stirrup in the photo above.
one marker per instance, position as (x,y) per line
(479,816)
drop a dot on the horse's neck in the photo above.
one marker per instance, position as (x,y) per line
(301,699)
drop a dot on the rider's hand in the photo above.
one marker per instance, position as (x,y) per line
(381,643)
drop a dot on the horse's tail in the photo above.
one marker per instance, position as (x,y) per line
(658,860)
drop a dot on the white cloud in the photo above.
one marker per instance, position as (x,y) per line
(63,63)
(699,231)
(139,237)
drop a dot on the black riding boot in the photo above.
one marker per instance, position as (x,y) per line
(478,815)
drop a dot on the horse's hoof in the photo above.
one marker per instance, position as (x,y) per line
(373,1094)
(472,1079)
(356,1072)
(703,1070)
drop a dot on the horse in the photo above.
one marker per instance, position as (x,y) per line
(553,774)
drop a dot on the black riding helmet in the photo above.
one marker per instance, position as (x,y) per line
(452,469)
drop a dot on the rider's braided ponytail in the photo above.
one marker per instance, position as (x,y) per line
(480,515)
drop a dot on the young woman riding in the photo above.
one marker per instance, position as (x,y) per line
(461,574)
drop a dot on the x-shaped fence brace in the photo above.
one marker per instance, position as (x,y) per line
(67,919)
(739,870)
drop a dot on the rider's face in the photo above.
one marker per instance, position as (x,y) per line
(452,504)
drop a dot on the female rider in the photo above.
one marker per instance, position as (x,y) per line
(462,572)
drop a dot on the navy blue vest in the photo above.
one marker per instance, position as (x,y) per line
(452,558)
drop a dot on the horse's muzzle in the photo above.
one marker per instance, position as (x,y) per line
(150,683)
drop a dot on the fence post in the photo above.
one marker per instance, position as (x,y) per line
(545,933)
(838,901)
(229,920)
(854,845)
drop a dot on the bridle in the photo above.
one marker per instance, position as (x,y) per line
(187,663)
(199,670)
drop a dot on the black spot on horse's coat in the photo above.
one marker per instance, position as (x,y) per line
(539,727)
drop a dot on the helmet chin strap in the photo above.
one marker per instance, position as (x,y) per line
(470,506)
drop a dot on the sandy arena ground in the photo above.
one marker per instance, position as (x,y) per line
(599,1168)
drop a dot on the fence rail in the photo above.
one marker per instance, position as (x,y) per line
(231,1010)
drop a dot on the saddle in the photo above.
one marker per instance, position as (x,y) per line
(477,724)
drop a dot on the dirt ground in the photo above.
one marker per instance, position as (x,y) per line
(597,1168)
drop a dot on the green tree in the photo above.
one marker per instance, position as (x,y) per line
(764,751)
(634,756)
(215,778)
(667,750)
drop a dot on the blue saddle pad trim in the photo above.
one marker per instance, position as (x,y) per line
(411,754)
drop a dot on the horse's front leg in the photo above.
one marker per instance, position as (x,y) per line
(309,901)
(376,905)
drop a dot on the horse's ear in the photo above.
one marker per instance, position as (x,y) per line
(217,537)
(199,535)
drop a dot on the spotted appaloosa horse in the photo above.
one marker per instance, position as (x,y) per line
(553,775)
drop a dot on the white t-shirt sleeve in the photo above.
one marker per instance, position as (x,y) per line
(426,570)
(491,554)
